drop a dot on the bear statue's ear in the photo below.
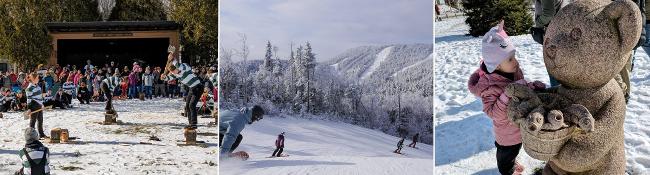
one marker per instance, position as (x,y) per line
(627,18)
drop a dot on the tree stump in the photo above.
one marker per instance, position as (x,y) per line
(65,135)
(190,135)
(55,135)
(110,117)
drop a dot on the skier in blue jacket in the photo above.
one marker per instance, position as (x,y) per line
(231,123)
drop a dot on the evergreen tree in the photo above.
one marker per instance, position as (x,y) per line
(138,10)
(23,37)
(268,57)
(309,66)
(485,14)
(199,19)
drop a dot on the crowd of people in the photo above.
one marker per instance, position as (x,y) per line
(63,84)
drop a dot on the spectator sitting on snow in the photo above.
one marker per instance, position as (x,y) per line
(20,103)
(68,89)
(83,94)
(279,146)
(56,100)
(6,99)
(231,123)
(35,156)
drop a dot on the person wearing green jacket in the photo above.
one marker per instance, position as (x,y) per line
(545,10)
(627,70)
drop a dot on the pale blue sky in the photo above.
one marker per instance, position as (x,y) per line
(331,26)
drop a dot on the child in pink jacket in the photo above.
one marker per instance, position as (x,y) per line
(498,68)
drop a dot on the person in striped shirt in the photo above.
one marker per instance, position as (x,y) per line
(108,86)
(6,99)
(214,80)
(68,89)
(183,72)
(35,156)
(34,103)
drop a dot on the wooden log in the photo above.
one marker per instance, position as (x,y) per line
(190,135)
(65,135)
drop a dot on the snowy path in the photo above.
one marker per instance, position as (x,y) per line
(464,140)
(324,147)
(379,58)
(116,149)
(429,58)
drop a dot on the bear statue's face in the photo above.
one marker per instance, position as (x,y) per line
(589,41)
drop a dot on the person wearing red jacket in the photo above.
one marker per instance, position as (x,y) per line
(279,146)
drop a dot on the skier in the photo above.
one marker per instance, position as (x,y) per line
(415,140)
(183,72)
(231,123)
(279,145)
(108,85)
(35,156)
(400,144)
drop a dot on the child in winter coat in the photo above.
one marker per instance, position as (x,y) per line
(147,81)
(124,85)
(35,156)
(498,68)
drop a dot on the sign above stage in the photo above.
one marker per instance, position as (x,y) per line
(111,26)
(112,34)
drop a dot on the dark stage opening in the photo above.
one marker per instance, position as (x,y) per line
(146,51)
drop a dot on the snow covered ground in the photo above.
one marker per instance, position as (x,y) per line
(464,140)
(116,149)
(325,147)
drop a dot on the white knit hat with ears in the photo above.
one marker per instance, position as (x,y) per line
(496,47)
